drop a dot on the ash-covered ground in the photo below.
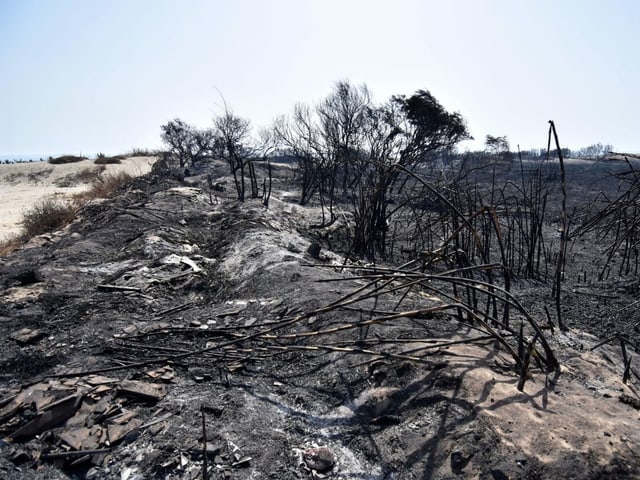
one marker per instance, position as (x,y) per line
(173,330)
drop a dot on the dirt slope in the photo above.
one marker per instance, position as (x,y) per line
(171,302)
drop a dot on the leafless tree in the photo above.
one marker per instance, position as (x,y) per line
(401,134)
(498,148)
(348,142)
(235,143)
(232,135)
(301,136)
(186,142)
(343,116)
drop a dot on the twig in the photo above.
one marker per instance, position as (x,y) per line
(605,341)
(627,371)
(179,308)
(205,465)
(73,453)
(563,228)
(164,417)
(119,288)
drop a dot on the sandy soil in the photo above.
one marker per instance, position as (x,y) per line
(23,184)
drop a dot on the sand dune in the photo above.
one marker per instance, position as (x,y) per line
(23,184)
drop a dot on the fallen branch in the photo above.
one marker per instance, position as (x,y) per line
(73,454)
(121,288)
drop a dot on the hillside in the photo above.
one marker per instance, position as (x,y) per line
(171,320)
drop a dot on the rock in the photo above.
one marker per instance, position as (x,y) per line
(458,461)
(93,473)
(320,459)
(314,250)
(275,303)
(629,400)
(293,248)
(27,277)
(27,335)
(212,449)
(166,374)
(499,474)
(117,432)
(130,329)
(146,391)
(242,462)
(375,402)
(82,438)
(216,410)
(200,374)
(55,414)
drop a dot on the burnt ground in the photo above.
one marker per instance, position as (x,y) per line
(171,303)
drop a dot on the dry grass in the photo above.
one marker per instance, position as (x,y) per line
(52,214)
(47,216)
(142,152)
(103,186)
(89,174)
(11,243)
(86,175)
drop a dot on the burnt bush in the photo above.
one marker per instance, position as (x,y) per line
(66,159)
(104,160)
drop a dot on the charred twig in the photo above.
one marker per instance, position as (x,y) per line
(626,359)
(431,343)
(492,291)
(205,464)
(179,308)
(73,454)
(524,372)
(122,288)
(564,234)
(329,348)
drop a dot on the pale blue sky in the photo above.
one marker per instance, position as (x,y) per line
(91,76)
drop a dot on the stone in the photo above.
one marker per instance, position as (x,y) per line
(314,250)
(320,459)
(27,335)
(144,390)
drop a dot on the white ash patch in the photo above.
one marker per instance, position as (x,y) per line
(154,245)
(275,245)
(261,250)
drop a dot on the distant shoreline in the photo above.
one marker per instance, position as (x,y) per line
(24,158)
(39,157)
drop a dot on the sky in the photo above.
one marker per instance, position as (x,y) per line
(88,76)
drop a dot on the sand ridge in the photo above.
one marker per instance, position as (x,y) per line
(24,184)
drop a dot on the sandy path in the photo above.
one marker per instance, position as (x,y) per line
(23,184)
(574,421)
